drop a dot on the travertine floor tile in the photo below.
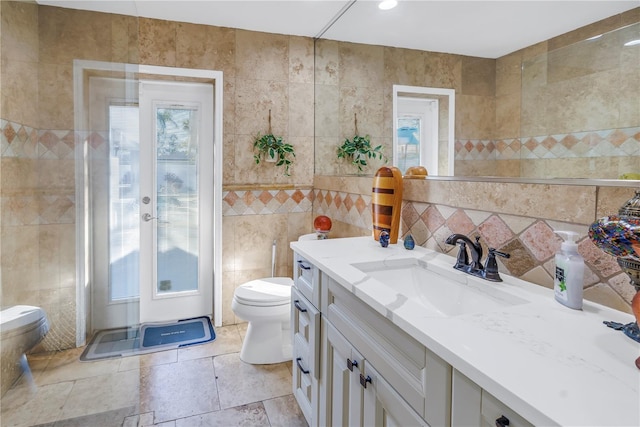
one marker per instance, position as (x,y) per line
(23,406)
(227,341)
(175,388)
(66,366)
(179,390)
(240,383)
(149,359)
(101,394)
(284,412)
(249,415)
(104,419)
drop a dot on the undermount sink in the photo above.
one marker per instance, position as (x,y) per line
(441,293)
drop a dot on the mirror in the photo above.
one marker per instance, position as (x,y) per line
(423,129)
(570,112)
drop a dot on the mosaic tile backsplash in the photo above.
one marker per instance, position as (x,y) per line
(530,241)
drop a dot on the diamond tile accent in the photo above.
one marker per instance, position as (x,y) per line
(602,143)
(264,202)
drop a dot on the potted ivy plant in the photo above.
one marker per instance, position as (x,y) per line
(272,148)
(358,149)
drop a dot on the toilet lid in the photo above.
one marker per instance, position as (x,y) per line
(18,316)
(269,291)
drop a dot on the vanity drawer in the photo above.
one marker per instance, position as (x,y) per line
(305,320)
(496,413)
(418,375)
(306,277)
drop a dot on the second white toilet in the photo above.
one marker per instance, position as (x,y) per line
(266,305)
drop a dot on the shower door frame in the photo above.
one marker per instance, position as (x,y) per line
(80,68)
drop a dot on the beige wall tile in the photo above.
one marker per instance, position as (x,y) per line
(327,62)
(19,91)
(55,88)
(20,32)
(301,109)
(206,47)
(157,42)
(475,117)
(254,99)
(443,70)
(478,76)
(301,60)
(68,34)
(361,65)
(262,56)
(124,39)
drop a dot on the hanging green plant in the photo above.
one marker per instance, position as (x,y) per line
(358,149)
(272,148)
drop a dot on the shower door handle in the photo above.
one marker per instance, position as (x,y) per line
(147,217)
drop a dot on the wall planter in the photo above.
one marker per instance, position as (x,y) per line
(358,150)
(272,148)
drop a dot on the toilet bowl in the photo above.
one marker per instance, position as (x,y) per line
(22,327)
(266,305)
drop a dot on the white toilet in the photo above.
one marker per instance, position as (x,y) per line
(266,305)
(22,327)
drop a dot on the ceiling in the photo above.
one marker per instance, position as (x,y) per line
(488,29)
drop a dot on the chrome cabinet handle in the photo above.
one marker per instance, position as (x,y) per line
(298,362)
(299,307)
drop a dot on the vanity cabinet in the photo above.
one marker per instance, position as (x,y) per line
(354,393)
(473,406)
(354,367)
(305,319)
(405,379)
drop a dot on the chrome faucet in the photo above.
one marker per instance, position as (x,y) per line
(489,271)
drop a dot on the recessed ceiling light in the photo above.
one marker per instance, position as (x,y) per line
(387,4)
(633,42)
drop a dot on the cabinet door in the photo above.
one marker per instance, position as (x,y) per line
(306,370)
(383,406)
(496,413)
(341,381)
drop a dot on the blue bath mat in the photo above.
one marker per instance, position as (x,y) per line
(149,337)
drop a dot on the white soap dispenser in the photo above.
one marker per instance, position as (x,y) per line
(569,278)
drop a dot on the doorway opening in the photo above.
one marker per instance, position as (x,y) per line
(148,185)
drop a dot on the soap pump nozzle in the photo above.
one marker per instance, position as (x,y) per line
(570,238)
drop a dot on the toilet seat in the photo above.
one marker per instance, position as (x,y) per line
(268,292)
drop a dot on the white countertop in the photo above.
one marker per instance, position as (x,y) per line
(551,364)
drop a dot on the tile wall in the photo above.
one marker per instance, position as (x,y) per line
(515,218)
(262,72)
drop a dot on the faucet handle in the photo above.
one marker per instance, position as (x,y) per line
(462,259)
(491,265)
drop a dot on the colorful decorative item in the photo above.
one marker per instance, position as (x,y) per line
(322,223)
(386,202)
(409,243)
(384,238)
(619,236)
